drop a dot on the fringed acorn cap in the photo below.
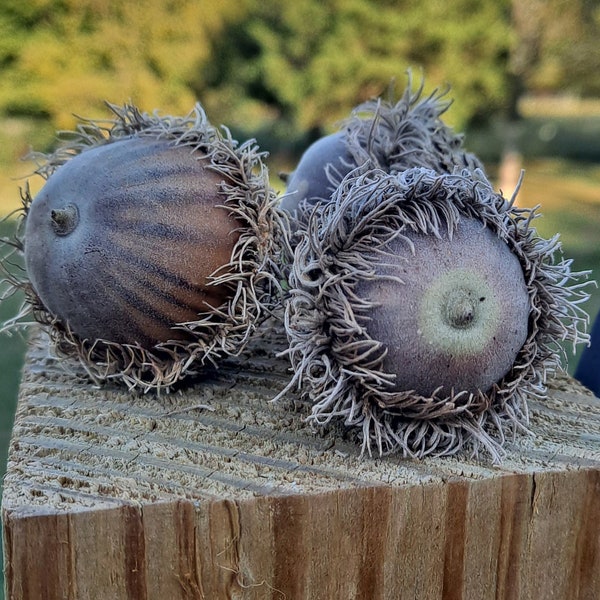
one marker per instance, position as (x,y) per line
(425,310)
(389,135)
(154,246)
(395,136)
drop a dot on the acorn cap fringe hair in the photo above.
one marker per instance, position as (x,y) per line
(342,373)
(254,271)
(406,134)
(395,136)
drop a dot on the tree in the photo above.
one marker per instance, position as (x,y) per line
(550,39)
(289,67)
(579,49)
(307,63)
(59,57)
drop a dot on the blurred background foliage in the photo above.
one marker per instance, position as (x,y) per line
(284,69)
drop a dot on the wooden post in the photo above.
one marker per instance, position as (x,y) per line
(214,493)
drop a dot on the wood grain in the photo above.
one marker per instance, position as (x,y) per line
(213,492)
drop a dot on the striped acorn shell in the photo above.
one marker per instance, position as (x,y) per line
(123,240)
(154,246)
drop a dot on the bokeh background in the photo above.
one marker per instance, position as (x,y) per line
(524,76)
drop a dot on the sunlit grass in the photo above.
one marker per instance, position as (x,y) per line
(12,348)
(568,194)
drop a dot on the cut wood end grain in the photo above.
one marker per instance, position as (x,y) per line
(215,492)
(75,446)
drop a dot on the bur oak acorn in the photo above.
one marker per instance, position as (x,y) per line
(424,311)
(154,246)
(383,134)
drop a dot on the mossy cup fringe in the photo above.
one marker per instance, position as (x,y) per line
(338,366)
(254,273)
(391,135)
(395,136)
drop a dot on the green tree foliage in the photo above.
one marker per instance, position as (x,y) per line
(286,66)
(555,47)
(575,49)
(309,62)
(59,57)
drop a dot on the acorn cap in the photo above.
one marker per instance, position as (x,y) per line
(155,245)
(425,310)
(383,134)
(395,136)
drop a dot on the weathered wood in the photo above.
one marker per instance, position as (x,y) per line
(214,492)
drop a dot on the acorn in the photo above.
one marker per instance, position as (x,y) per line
(321,168)
(154,246)
(382,134)
(425,310)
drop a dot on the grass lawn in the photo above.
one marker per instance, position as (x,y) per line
(569,196)
(12,350)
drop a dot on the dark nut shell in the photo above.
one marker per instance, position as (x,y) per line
(460,316)
(322,166)
(150,232)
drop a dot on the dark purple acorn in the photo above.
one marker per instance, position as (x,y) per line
(424,311)
(322,166)
(391,136)
(153,246)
